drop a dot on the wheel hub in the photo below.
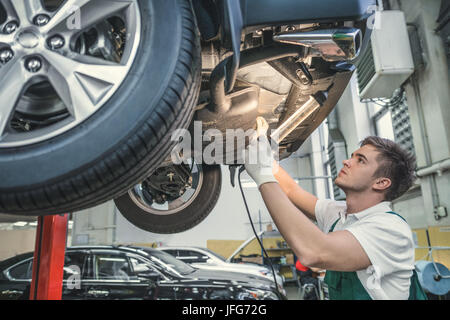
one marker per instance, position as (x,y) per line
(158,197)
(28,39)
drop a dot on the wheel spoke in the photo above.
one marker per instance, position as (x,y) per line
(78,104)
(35,7)
(23,10)
(9,8)
(77,15)
(96,68)
(13,81)
(6,38)
(82,81)
(17,9)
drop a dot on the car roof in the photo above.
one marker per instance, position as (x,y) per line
(12,260)
(127,248)
(182,248)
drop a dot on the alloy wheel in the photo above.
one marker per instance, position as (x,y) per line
(60,61)
(167,206)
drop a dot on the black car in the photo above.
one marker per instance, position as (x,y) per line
(109,272)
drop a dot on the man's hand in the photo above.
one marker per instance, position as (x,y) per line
(259,158)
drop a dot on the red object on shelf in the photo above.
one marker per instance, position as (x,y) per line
(48,262)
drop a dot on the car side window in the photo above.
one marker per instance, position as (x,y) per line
(22,271)
(185,255)
(198,257)
(112,267)
(74,265)
(172,252)
(190,256)
(141,266)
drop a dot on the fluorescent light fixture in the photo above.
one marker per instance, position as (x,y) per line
(20,224)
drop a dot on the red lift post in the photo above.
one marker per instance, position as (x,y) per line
(48,262)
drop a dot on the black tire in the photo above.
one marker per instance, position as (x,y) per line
(182,220)
(126,138)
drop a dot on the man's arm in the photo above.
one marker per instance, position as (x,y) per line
(339,250)
(316,270)
(302,199)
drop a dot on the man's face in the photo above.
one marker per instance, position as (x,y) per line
(358,171)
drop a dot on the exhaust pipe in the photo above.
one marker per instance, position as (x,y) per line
(331,44)
(303,113)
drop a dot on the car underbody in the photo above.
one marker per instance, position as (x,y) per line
(98,104)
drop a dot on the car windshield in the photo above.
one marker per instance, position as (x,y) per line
(170,261)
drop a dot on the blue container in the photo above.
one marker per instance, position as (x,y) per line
(429,278)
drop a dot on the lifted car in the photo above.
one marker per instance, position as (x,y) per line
(93,95)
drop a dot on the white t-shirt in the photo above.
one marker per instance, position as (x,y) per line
(387,240)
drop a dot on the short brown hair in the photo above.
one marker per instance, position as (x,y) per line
(395,163)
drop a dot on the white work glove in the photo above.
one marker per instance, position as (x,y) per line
(259,156)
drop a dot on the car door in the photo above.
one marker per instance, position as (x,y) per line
(76,269)
(157,285)
(112,278)
(16,280)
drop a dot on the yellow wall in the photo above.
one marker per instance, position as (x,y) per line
(421,242)
(223,247)
(227,247)
(439,237)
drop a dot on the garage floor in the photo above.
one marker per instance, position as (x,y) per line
(291,291)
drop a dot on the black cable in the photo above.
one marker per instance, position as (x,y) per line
(241,169)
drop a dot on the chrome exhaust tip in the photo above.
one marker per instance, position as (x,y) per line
(331,44)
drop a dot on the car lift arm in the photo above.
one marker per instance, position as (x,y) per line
(48,262)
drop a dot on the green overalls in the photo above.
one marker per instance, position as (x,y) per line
(346,285)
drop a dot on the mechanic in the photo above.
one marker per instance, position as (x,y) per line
(367,250)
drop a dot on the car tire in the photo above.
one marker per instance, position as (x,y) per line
(127,137)
(197,210)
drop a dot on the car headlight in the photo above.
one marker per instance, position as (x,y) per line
(254,294)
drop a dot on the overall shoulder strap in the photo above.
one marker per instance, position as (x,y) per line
(416,291)
(392,212)
(334,224)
